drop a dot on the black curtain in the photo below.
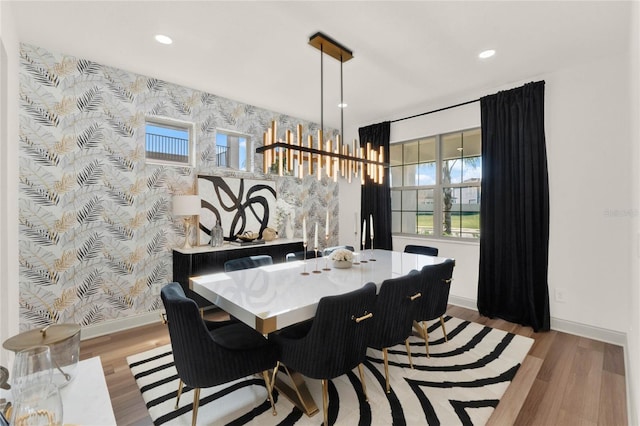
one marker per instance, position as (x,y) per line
(375,200)
(514,213)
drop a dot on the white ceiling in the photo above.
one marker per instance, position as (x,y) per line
(406,54)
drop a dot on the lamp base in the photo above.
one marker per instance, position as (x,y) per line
(187,234)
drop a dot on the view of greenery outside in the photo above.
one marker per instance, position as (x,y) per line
(468,224)
(435,185)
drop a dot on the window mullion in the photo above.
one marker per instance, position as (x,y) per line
(437,197)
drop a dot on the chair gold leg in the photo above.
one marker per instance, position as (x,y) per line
(273,376)
(444,330)
(179,393)
(269,386)
(325,401)
(362,382)
(426,338)
(196,404)
(386,370)
(406,343)
(418,327)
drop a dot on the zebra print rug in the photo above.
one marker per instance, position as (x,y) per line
(461,383)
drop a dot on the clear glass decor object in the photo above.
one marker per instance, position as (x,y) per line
(38,405)
(31,367)
(63,341)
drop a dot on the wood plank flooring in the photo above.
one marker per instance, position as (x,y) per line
(565,379)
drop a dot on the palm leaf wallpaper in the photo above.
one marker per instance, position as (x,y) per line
(96,230)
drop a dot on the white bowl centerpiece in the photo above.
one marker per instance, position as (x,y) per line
(342,258)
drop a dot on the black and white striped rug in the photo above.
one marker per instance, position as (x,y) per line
(461,383)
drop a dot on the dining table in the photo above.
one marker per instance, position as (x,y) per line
(271,297)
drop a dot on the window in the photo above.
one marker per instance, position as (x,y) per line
(232,150)
(169,141)
(435,185)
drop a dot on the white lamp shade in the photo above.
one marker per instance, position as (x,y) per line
(186,205)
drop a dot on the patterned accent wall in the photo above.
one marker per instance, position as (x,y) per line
(96,230)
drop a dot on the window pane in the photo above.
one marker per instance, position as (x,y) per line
(167,142)
(427,173)
(409,222)
(242,149)
(425,200)
(461,212)
(411,175)
(425,211)
(232,150)
(461,157)
(410,200)
(396,225)
(396,176)
(427,149)
(395,154)
(425,223)
(410,152)
(396,200)
(451,158)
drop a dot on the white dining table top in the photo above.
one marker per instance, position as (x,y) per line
(275,296)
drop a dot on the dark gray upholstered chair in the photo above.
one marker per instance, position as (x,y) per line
(299,255)
(429,251)
(247,262)
(208,357)
(394,312)
(435,284)
(333,343)
(329,250)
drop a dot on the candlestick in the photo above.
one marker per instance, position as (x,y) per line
(316,271)
(315,239)
(304,271)
(326,228)
(304,231)
(364,235)
(371,225)
(371,258)
(326,244)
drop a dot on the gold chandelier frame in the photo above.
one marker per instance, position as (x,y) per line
(347,160)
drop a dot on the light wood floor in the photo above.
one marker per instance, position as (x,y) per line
(565,379)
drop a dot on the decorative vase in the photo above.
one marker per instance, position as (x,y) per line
(342,264)
(288,229)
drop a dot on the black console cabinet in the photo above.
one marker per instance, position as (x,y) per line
(207,260)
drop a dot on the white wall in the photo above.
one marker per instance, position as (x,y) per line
(8,178)
(588,148)
(632,351)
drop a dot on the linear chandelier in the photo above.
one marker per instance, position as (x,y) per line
(333,159)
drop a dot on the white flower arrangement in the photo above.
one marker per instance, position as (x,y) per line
(342,255)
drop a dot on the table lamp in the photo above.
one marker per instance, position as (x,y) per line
(186,206)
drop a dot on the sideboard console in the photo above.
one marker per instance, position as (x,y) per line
(207,260)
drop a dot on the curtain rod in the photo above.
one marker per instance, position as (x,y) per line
(436,110)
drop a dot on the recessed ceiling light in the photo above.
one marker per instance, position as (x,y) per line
(486,54)
(342,105)
(163,39)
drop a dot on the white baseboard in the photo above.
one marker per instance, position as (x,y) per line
(566,326)
(463,301)
(108,327)
(592,332)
